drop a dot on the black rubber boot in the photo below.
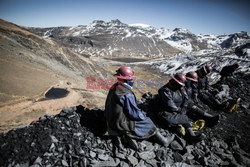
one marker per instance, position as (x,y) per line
(197,110)
(192,137)
(129,142)
(165,141)
(211,121)
(117,145)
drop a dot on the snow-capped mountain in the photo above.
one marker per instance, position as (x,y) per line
(217,59)
(117,39)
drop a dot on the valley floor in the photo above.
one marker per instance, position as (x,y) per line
(23,88)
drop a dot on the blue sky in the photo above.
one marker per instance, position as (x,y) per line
(199,16)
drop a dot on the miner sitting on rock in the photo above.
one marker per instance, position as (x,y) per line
(193,107)
(174,99)
(125,121)
(208,94)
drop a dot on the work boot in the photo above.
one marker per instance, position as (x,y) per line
(129,142)
(117,145)
(195,139)
(233,105)
(165,141)
(211,121)
(192,137)
(197,110)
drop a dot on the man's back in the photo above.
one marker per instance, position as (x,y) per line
(116,118)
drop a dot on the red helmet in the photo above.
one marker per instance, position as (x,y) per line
(179,78)
(124,72)
(192,76)
(206,69)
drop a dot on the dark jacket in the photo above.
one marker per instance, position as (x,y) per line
(175,106)
(203,85)
(191,88)
(173,101)
(117,121)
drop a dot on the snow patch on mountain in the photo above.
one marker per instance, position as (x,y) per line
(162,33)
(129,34)
(183,45)
(140,25)
(212,41)
(48,33)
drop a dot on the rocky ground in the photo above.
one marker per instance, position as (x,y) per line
(236,125)
(74,138)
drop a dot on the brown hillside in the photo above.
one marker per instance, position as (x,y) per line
(30,65)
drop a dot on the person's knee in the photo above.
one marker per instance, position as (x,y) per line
(181,119)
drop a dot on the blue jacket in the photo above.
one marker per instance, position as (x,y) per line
(128,112)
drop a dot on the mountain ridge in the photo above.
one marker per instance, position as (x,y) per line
(117,39)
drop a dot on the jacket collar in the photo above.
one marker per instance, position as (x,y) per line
(127,86)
